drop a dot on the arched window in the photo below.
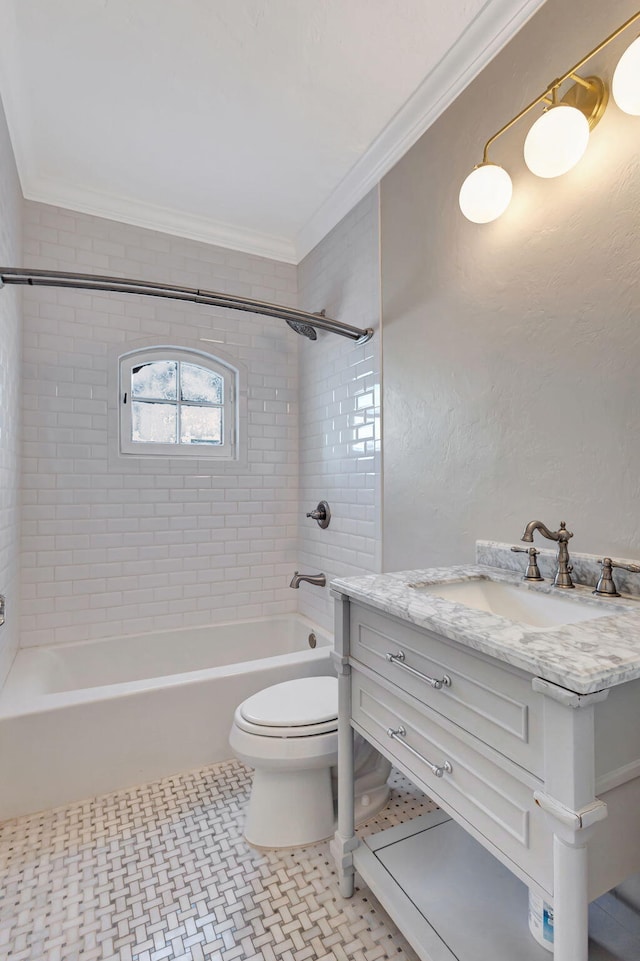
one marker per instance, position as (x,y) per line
(177,402)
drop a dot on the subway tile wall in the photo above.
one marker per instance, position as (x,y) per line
(10,360)
(340,456)
(124,545)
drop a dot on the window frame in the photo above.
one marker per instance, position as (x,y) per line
(226,451)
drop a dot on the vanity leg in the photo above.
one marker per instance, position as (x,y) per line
(573,809)
(570,901)
(345,841)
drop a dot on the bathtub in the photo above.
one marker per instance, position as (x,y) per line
(82,719)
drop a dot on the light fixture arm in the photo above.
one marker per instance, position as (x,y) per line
(579,80)
(552,89)
(534,103)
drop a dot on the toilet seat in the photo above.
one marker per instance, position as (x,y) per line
(304,707)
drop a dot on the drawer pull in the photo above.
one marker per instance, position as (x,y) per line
(436,682)
(399,733)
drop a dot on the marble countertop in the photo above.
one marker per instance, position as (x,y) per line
(584,657)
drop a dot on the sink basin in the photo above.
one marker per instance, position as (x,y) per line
(516,603)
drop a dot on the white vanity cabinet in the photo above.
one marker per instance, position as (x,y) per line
(546,780)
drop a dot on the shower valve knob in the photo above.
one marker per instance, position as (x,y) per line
(322,514)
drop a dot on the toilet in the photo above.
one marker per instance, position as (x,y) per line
(289,734)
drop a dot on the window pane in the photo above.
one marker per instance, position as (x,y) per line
(200,385)
(156,379)
(154,423)
(201,425)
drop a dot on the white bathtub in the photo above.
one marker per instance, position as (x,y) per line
(77,720)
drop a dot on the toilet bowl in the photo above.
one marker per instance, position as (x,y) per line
(289,734)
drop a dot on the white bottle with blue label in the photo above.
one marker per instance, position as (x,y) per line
(541,920)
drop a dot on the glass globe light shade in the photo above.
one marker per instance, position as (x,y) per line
(625,85)
(557,141)
(486,193)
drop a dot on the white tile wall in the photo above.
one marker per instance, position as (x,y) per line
(10,350)
(120,546)
(340,456)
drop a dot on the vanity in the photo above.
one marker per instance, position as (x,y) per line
(516,708)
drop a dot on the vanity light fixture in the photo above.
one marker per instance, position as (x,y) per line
(559,137)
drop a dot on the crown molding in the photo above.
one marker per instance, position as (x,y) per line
(163,219)
(497,22)
(484,38)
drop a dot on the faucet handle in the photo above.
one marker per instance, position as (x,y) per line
(634,568)
(533,571)
(606,585)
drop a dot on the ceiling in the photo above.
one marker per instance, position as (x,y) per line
(254,124)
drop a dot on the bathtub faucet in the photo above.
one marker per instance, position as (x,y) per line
(318,579)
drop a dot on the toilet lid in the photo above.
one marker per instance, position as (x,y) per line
(299,703)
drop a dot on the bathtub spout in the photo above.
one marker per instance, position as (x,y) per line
(318,579)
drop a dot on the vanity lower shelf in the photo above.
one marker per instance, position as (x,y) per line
(454,901)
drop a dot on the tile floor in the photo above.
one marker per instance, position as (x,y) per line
(162,872)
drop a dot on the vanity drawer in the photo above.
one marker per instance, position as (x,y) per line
(492,795)
(496,704)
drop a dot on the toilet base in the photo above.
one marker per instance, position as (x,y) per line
(289,808)
(369,804)
(308,816)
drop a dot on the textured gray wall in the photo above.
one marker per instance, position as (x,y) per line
(511,351)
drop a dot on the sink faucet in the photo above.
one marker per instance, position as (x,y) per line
(563,572)
(318,579)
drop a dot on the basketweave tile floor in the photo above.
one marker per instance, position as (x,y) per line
(162,872)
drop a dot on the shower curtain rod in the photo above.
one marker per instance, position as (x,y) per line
(302,321)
